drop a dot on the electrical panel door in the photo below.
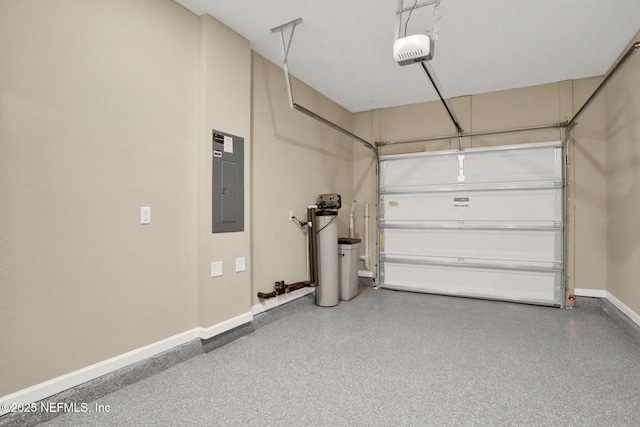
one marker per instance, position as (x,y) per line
(228,183)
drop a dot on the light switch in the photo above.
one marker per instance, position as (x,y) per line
(145,215)
(216,269)
(240,265)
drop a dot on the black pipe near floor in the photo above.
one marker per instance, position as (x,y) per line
(281,288)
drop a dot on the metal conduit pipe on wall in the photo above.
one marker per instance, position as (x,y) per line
(628,54)
(311,240)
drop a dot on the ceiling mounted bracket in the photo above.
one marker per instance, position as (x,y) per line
(401,10)
(280,29)
(286,46)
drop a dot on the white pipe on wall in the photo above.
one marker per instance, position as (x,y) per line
(351,220)
(365,258)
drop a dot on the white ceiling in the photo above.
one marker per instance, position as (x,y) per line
(343,48)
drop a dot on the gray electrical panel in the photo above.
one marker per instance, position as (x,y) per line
(228,183)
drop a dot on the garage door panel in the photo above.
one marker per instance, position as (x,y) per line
(417,171)
(514,206)
(541,287)
(480,222)
(511,165)
(524,164)
(490,244)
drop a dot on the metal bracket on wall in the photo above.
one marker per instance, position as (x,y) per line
(286,46)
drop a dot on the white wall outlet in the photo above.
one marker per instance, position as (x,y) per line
(291,215)
(145,215)
(240,265)
(216,269)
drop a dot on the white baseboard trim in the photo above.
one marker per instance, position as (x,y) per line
(365,273)
(591,293)
(75,378)
(81,376)
(635,317)
(278,300)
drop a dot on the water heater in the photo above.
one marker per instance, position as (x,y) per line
(328,289)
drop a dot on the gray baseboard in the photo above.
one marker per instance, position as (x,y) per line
(606,307)
(622,320)
(227,337)
(113,381)
(284,310)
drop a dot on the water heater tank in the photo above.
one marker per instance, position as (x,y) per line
(328,289)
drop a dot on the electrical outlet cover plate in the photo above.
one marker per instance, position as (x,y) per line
(145,215)
(216,269)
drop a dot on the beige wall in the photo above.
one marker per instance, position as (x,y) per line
(586,263)
(225,105)
(97,120)
(101,113)
(509,109)
(294,158)
(623,183)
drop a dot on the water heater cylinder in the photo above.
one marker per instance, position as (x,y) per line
(327,291)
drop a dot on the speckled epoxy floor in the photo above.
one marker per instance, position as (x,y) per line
(394,358)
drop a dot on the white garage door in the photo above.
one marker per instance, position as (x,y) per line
(483,223)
